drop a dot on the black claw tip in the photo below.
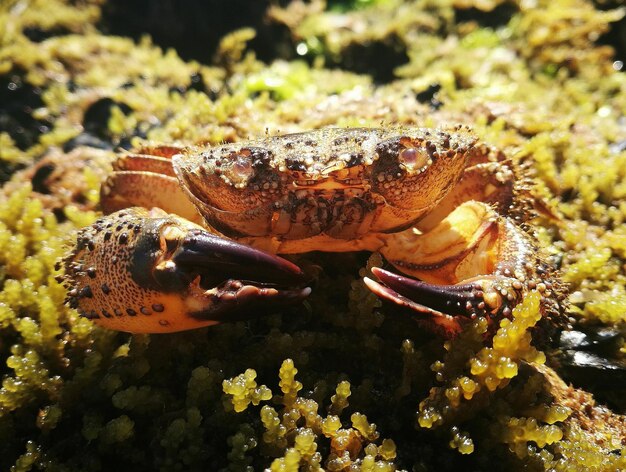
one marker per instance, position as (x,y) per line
(202,251)
(449,299)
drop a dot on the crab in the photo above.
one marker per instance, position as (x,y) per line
(191,235)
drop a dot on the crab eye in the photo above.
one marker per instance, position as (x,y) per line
(239,170)
(414,159)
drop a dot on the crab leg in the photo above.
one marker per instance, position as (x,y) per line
(474,262)
(146,178)
(147,271)
(124,189)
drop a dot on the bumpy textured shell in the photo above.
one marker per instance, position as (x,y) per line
(339,183)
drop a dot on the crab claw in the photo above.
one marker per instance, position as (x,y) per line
(152,272)
(446,308)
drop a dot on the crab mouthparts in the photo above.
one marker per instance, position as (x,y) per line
(328,184)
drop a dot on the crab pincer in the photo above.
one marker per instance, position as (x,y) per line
(148,271)
(447,308)
(474,263)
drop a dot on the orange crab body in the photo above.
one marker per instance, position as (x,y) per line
(437,205)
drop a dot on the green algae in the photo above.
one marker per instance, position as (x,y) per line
(295,434)
(539,86)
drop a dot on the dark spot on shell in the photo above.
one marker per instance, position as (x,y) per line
(123,239)
(105,289)
(295,165)
(164,322)
(107,235)
(86,292)
(355,160)
(117,312)
(91,272)
(144,310)
(131,312)
(158,307)
(106,314)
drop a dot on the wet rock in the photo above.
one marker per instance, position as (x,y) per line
(97,116)
(18,100)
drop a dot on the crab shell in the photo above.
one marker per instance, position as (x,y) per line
(316,190)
